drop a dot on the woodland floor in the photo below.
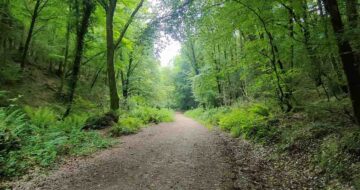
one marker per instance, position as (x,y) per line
(178,155)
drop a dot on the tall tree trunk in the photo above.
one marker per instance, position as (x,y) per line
(81,32)
(291,33)
(126,82)
(217,75)
(350,64)
(114,97)
(62,67)
(111,47)
(35,14)
(316,70)
(194,60)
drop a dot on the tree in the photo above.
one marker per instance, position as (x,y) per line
(110,8)
(88,7)
(38,8)
(63,65)
(347,55)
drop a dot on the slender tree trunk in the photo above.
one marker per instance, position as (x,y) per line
(62,67)
(291,35)
(315,63)
(126,79)
(217,75)
(81,33)
(114,97)
(350,64)
(128,23)
(35,14)
(111,47)
(194,60)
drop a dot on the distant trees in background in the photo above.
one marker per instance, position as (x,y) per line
(290,53)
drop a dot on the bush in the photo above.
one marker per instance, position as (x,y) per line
(126,126)
(11,126)
(195,113)
(248,122)
(132,121)
(42,116)
(152,115)
(209,116)
(38,139)
(9,74)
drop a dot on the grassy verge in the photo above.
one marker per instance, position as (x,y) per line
(37,138)
(320,131)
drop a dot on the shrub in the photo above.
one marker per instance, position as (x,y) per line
(209,116)
(38,139)
(11,126)
(246,121)
(9,74)
(42,116)
(195,113)
(152,115)
(249,121)
(165,115)
(131,122)
(126,126)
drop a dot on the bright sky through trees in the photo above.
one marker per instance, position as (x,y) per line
(170,51)
(170,48)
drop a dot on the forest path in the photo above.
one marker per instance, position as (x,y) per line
(178,155)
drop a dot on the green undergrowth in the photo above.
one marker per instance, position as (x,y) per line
(321,130)
(138,117)
(36,137)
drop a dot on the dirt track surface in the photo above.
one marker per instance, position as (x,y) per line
(178,155)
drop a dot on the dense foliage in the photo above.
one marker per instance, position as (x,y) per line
(36,138)
(283,73)
(57,68)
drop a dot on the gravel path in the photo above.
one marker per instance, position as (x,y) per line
(178,155)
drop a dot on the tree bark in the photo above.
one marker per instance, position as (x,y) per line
(63,65)
(81,33)
(114,97)
(194,60)
(348,57)
(34,16)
